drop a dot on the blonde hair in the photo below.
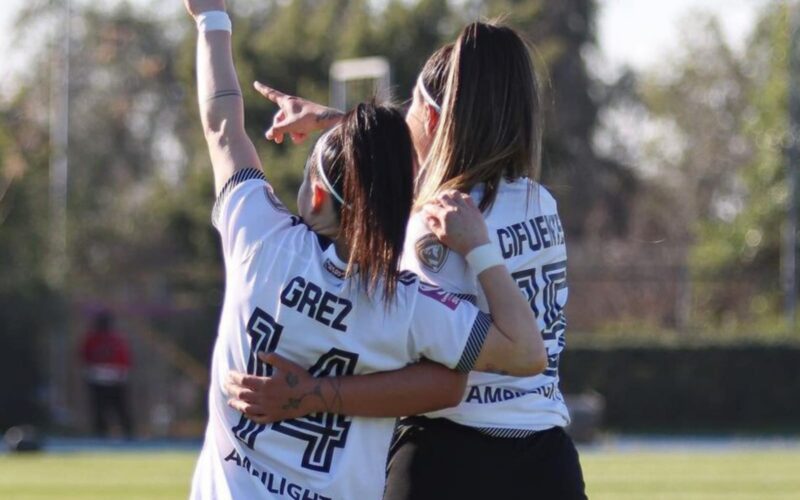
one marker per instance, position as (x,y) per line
(491,121)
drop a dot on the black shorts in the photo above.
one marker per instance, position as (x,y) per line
(439,459)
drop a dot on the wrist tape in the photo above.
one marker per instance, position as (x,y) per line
(483,257)
(214,20)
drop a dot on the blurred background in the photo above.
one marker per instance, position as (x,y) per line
(671,146)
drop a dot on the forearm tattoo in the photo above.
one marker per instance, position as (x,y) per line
(225,93)
(333,404)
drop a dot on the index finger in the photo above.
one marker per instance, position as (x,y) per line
(273,95)
(279,362)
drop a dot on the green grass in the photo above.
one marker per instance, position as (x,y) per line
(752,475)
(748,475)
(90,476)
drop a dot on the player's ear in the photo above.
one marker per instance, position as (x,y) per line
(431,119)
(318,195)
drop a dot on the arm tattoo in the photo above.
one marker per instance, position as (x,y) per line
(332,405)
(293,403)
(336,403)
(225,93)
(327,115)
(292,379)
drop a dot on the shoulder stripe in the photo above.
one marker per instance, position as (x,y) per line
(506,433)
(237,178)
(468,297)
(407,278)
(475,342)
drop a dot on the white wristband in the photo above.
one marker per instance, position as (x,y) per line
(483,257)
(213,20)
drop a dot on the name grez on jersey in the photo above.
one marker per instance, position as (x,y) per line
(320,305)
(537,233)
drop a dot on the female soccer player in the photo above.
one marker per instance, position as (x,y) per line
(326,293)
(475,120)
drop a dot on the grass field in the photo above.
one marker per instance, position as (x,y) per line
(763,474)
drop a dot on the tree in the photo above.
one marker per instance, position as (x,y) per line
(715,120)
(29,307)
(742,237)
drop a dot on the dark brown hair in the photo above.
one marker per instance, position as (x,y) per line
(490,125)
(368,160)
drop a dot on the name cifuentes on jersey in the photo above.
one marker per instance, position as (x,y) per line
(525,226)
(286,292)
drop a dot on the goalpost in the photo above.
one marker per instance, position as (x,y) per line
(356,80)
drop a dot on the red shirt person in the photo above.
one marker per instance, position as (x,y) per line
(106,362)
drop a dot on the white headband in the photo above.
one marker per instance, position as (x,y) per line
(321,171)
(427,96)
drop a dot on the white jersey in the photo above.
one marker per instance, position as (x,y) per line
(524,224)
(286,292)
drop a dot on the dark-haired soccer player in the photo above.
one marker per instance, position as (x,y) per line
(326,292)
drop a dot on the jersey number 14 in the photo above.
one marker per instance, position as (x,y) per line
(322,432)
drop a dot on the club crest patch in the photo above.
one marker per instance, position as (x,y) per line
(273,200)
(431,253)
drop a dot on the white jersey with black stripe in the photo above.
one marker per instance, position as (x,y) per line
(524,224)
(286,292)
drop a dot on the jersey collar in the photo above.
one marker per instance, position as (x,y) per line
(331,262)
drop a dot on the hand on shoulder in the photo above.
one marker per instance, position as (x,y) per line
(455,219)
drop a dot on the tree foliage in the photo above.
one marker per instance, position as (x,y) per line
(721,116)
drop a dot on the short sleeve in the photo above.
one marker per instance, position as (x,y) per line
(447,329)
(432,261)
(246,211)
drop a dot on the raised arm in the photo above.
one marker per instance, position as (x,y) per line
(220,98)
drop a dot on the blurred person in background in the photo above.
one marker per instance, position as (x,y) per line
(106,358)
